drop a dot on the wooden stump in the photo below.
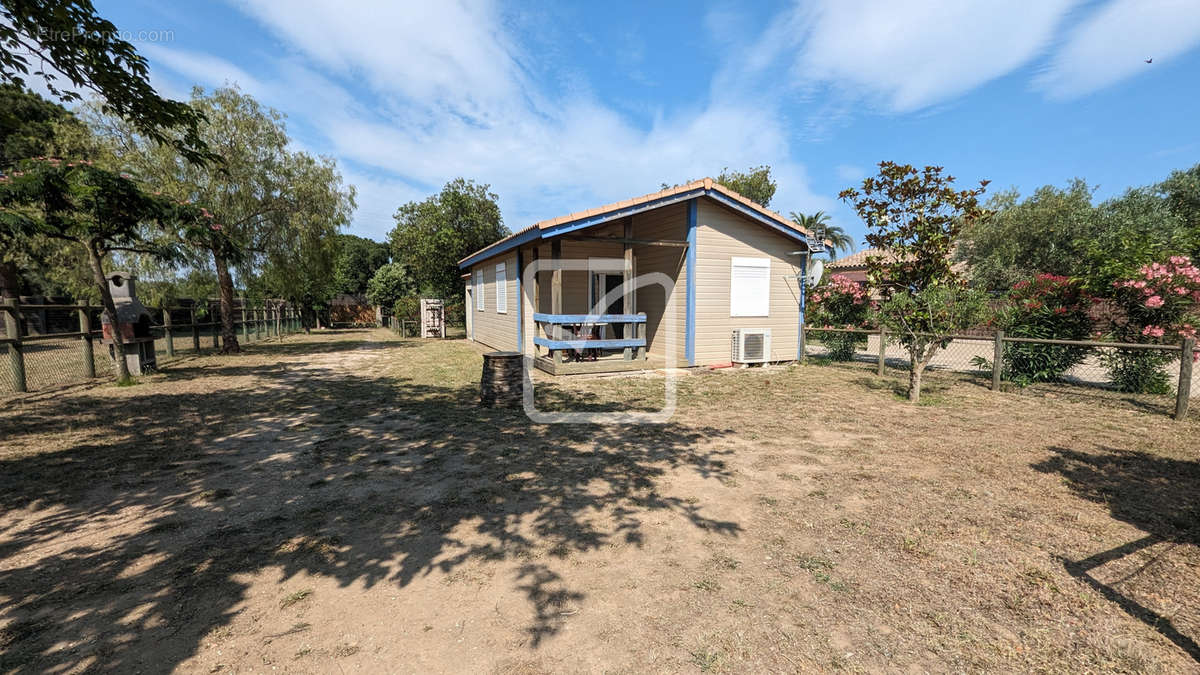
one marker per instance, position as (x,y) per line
(502,382)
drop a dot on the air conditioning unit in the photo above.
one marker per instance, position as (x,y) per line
(752,345)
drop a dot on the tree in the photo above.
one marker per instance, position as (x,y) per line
(67,38)
(99,210)
(836,235)
(431,236)
(357,261)
(390,283)
(31,126)
(754,183)
(276,207)
(1047,233)
(916,215)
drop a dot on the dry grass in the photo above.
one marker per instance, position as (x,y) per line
(786,519)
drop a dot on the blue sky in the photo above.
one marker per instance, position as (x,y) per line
(566,106)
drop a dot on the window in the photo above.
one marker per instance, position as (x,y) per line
(750,287)
(501,289)
(479,290)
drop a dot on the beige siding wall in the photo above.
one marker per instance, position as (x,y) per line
(721,235)
(496,330)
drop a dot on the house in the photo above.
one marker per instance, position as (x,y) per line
(854,266)
(705,262)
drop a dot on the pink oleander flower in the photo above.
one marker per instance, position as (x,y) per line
(1154,301)
(1153,331)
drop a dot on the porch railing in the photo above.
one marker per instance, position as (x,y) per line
(634,334)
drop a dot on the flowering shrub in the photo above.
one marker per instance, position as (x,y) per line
(1048,307)
(1161,305)
(841,303)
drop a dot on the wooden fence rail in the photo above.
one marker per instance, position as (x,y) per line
(270,319)
(1186,352)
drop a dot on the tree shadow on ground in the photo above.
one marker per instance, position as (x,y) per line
(1154,494)
(366,479)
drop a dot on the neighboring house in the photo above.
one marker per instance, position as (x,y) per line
(731,265)
(854,266)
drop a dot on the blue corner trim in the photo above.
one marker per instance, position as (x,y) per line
(520,302)
(803,292)
(689,348)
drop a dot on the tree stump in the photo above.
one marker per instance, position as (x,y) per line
(502,382)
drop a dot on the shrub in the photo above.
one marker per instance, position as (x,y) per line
(841,303)
(1048,307)
(1160,305)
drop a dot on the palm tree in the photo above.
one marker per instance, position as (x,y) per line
(834,234)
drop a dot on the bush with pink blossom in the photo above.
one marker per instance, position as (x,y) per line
(1160,305)
(839,303)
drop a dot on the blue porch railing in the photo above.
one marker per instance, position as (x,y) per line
(634,333)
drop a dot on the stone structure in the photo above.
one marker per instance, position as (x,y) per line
(134,322)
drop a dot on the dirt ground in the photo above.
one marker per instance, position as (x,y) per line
(339,502)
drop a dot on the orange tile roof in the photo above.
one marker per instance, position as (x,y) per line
(704,183)
(859,259)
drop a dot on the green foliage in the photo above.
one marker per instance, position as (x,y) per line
(68,39)
(390,283)
(916,215)
(1160,304)
(407,308)
(358,260)
(754,183)
(431,236)
(1047,307)
(839,240)
(841,303)
(1045,233)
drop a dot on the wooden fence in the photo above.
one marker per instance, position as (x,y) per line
(201,325)
(993,346)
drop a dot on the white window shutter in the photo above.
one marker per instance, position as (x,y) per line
(501,289)
(750,287)
(479,290)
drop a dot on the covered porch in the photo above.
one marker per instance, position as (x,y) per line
(589,312)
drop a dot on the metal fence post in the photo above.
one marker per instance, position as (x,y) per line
(16,355)
(997,360)
(85,342)
(195,330)
(245,324)
(168,333)
(258,323)
(882,351)
(1184,391)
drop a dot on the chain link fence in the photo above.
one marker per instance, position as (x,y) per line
(46,346)
(1074,367)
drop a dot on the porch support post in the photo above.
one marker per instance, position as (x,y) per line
(802,282)
(556,355)
(520,302)
(689,348)
(630,329)
(536,289)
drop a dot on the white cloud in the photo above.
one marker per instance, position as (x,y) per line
(906,54)
(1113,43)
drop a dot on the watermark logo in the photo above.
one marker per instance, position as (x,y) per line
(666,330)
(46,35)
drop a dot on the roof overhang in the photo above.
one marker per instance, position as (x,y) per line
(561,226)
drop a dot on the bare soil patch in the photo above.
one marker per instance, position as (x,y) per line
(339,501)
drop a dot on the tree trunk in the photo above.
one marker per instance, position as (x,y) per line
(110,308)
(10,280)
(916,368)
(229,341)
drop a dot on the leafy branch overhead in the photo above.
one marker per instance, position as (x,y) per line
(67,39)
